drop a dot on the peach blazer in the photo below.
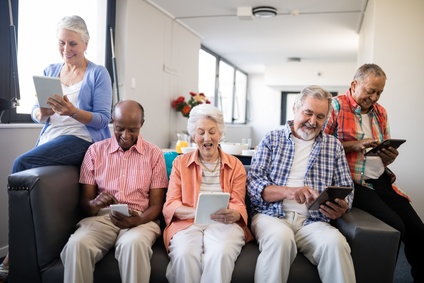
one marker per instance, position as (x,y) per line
(184,188)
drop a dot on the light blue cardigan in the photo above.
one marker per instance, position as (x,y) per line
(95,96)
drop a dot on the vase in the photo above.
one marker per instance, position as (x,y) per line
(182,141)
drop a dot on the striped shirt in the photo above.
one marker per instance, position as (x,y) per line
(272,162)
(128,175)
(345,123)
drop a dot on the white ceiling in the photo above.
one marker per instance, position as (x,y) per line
(323,30)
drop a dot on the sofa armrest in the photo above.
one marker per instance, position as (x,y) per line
(43,212)
(373,243)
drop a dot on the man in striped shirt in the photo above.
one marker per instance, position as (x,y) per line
(124,169)
(290,168)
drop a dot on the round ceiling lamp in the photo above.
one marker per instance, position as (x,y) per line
(264,12)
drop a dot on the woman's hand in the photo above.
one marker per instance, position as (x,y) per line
(43,113)
(226,216)
(184,212)
(61,105)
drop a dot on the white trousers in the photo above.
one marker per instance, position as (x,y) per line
(280,239)
(204,253)
(95,236)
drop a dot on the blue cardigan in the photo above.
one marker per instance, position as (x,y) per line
(95,96)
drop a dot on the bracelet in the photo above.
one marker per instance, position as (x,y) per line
(75,114)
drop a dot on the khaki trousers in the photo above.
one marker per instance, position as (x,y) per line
(95,236)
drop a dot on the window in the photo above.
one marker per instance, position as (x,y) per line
(207,74)
(224,85)
(35,23)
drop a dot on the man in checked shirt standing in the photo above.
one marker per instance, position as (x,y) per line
(128,170)
(290,168)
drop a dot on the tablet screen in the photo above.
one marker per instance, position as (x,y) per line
(46,87)
(208,203)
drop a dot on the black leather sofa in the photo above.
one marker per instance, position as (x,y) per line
(43,211)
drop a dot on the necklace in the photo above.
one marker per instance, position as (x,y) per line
(73,75)
(218,161)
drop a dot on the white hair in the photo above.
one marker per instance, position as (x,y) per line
(205,111)
(75,24)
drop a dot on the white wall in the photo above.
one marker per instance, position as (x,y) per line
(393,38)
(265,90)
(157,61)
(331,75)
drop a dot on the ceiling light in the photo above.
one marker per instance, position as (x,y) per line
(293,60)
(264,12)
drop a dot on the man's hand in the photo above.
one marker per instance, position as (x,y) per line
(388,155)
(304,194)
(334,210)
(299,194)
(103,200)
(359,145)
(124,222)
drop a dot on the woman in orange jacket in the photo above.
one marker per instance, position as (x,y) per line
(205,252)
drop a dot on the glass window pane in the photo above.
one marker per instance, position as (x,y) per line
(225,91)
(240,98)
(37,41)
(207,75)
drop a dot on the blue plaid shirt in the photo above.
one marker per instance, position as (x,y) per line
(272,161)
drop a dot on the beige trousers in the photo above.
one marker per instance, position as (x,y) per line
(280,239)
(95,236)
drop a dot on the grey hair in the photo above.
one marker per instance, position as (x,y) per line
(368,69)
(316,92)
(205,111)
(75,24)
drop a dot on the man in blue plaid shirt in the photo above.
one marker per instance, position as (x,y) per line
(290,168)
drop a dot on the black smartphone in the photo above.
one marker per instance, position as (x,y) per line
(385,144)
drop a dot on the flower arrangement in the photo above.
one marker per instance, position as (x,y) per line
(183,106)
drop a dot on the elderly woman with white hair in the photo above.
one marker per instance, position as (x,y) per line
(199,252)
(81,116)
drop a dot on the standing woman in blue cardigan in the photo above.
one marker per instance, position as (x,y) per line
(82,115)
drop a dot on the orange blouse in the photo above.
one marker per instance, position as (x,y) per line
(184,188)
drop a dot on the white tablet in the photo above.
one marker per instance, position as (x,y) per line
(208,203)
(46,87)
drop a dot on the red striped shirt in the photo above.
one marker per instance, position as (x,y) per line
(128,175)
